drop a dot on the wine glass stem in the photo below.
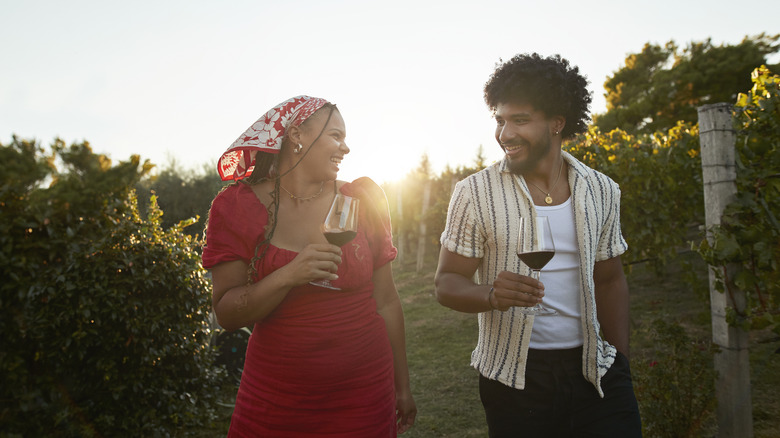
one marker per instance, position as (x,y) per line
(536,275)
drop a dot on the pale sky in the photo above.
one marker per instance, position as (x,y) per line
(181,80)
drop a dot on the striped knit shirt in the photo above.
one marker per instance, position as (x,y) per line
(483,222)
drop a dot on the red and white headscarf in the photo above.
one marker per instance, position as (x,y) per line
(265,135)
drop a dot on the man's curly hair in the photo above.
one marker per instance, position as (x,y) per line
(549,84)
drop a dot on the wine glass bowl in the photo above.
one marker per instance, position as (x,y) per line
(340,226)
(535,248)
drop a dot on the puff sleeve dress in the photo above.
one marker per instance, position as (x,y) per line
(321,364)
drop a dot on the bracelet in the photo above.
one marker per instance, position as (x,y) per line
(490,298)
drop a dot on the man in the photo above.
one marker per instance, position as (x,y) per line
(565,374)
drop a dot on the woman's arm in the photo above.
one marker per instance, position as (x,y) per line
(238,304)
(388,305)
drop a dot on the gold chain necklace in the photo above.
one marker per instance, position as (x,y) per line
(300,198)
(547,199)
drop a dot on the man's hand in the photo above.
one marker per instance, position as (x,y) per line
(511,289)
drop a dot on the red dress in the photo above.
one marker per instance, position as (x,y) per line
(321,364)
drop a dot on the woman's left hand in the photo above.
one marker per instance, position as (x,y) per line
(406,410)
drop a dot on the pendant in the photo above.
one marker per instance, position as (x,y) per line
(548,200)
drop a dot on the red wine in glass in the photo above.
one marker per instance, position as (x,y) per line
(340,226)
(535,248)
(536,259)
(339,238)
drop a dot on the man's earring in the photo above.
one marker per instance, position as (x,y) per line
(298,149)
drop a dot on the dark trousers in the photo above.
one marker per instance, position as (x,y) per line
(558,402)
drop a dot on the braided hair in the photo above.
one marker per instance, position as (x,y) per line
(266,168)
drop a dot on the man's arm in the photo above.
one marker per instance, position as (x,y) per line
(454,287)
(612,302)
(456,290)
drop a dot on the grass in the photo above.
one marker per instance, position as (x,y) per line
(440,341)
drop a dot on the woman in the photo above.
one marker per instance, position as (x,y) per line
(319,362)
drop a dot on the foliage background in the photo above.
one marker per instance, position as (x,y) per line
(663,85)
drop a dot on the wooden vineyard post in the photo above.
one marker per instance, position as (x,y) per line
(421,241)
(732,364)
(399,225)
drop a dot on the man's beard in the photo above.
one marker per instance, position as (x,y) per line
(536,152)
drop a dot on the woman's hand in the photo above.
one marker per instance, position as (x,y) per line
(317,261)
(406,410)
(511,289)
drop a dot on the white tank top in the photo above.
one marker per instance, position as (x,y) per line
(561,278)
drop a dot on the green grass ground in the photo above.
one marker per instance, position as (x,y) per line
(439,344)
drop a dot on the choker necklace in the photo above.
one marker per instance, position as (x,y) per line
(547,199)
(300,198)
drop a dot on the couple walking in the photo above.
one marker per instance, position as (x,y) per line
(333,363)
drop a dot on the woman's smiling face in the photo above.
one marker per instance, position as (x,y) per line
(327,152)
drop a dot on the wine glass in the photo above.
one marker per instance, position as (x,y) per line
(535,248)
(340,226)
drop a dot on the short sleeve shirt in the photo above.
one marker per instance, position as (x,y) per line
(483,222)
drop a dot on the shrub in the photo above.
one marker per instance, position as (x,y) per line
(104,314)
(675,386)
(660,182)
